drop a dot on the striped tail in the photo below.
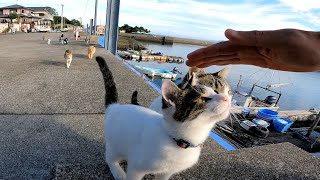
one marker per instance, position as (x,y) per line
(110,85)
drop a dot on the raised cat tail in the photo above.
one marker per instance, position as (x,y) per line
(134,98)
(110,85)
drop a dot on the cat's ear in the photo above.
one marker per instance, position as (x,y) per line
(194,70)
(169,92)
(222,73)
(188,78)
(194,79)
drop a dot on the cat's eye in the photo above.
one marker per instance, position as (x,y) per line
(216,91)
(206,99)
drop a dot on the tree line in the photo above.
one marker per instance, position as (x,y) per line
(136,29)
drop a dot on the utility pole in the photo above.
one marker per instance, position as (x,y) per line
(61,24)
(107,26)
(80,21)
(95,18)
(113,28)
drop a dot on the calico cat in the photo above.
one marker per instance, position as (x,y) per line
(91,51)
(197,76)
(159,144)
(68,57)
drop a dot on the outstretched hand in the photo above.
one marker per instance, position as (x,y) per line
(285,49)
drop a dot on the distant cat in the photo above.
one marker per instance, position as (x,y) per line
(91,51)
(68,57)
(196,76)
(160,144)
(49,40)
(65,41)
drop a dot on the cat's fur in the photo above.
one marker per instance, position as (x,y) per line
(68,57)
(91,51)
(65,41)
(134,98)
(197,76)
(148,140)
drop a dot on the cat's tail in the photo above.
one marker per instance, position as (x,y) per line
(110,85)
(134,98)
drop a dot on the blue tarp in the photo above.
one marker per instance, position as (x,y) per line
(101,41)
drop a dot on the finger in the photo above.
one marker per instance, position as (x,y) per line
(223,48)
(258,38)
(236,61)
(211,59)
(219,63)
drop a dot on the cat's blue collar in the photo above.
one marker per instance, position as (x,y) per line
(184,144)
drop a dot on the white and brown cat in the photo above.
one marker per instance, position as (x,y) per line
(68,57)
(159,144)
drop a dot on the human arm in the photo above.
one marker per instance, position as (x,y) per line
(285,49)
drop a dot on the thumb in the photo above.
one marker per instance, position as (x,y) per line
(253,38)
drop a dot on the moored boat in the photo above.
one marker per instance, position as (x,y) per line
(163,73)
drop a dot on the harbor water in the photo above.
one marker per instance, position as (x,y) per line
(302,90)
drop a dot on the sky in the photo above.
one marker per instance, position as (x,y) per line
(197,19)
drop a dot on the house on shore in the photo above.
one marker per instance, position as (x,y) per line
(29,18)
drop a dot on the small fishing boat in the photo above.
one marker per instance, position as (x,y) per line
(157,72)
(248,100)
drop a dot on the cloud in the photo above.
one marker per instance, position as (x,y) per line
(190,16)
(196,19)
(298,5)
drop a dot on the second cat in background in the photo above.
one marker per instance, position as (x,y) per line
(91,51)
(68,57)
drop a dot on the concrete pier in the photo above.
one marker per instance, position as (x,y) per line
(51,119)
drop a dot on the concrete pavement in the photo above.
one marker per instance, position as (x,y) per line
(51,120)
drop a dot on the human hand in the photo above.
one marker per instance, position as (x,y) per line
(285,49)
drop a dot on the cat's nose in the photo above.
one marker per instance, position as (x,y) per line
(222,98)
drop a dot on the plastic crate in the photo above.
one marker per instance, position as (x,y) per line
(267,114)
(281,124)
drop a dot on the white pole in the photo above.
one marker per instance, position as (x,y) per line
(95,17)
(61,24)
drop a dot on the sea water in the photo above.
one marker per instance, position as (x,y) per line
(301,92)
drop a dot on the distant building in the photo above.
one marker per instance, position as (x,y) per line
(37,18)
(46,19)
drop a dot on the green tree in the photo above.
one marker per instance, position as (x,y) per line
(57,20)
(75,22)
(130,29)
(52,11)
(13,16)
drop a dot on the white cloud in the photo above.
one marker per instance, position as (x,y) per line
(194,19)
(300,5)
(212,18)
